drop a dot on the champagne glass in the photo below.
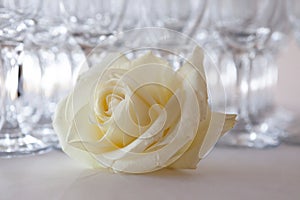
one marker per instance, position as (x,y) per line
(244,28)
(17,17)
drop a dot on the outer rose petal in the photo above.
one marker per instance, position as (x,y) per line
(86,82)
(148,58)
(114,60)
(205,139)
(193,71)
(61,126)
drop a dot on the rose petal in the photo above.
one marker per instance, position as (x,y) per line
(126,160)
(61,126)
(208,134)
(193,71)
(85,135)
(149,58)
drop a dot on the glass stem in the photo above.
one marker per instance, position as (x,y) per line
(243,62)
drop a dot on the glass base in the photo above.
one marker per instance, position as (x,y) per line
(256,137)
(289,123)
(281,118)
(11,146)
(46,134)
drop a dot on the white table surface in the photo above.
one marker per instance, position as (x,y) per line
(225,174)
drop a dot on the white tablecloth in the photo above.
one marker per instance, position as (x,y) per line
(225,174)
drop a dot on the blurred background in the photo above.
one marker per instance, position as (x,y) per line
(45,44)
(286,95)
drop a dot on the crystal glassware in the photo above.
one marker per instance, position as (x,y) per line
(55,52)
(19,82)
(244,28)
(264,69)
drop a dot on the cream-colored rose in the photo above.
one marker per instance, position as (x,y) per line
(140,116)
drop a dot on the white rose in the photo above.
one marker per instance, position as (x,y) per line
(140,116)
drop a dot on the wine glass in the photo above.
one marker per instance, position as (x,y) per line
(181,16)
(292,132)
(17,17)
(265,72)
(50,47)
(244,28)
(264,69)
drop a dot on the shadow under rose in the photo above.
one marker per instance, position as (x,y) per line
(227,169)
(215,176)
(94,183)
